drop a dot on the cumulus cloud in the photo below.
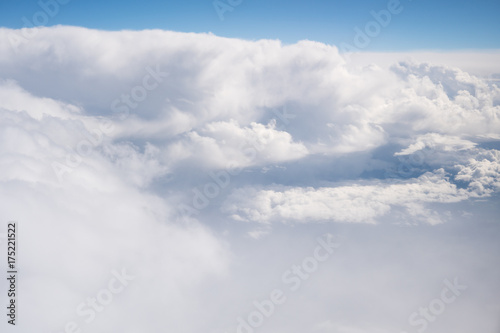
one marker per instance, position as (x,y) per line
(97,220)
(226,144)
(483,175)
(200,102)
(436,141)
(357,204)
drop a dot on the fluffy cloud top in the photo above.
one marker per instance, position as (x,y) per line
(361,204)
(164,102)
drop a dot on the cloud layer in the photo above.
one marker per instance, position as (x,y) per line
(104,136)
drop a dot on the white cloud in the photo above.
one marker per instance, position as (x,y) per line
(77,231)
(13,97)
(226,144)
(356,204)
(483,175)
(436,141)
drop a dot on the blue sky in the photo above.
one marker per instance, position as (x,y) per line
(423,24)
